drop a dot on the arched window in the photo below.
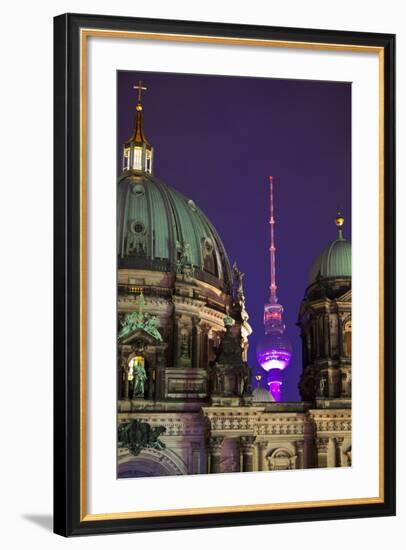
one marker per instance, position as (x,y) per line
(281,459)
(209,264)
(209,259)
(126,158)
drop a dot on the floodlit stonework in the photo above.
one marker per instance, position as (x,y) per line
(185,399)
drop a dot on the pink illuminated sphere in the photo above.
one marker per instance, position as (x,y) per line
(274,351)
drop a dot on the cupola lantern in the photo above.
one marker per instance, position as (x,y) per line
(137,151)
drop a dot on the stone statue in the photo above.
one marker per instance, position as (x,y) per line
(140,320)
(228,321)
(184,263)
(137,435)
(151,325)
(322,386)
(218,381)
(246,329)
(186,255)
(184,345)
(245,380)
(134,244)
(237,282)
(139,379)
(130,243)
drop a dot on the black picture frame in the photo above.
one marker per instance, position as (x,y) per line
(68,520)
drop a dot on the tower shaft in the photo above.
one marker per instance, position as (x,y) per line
(273,299)
(273,311)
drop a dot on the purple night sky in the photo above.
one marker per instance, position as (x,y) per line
(217,139)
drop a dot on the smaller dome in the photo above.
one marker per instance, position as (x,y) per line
(260,395)
(333,262)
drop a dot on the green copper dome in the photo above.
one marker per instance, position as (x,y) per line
(160,229)
(334,261)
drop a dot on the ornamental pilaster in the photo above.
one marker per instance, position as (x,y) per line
(299,445)
(214,454)
(339,450)
(262,450)
(326,335)
(196,342)
(205,345)
(322,444)
(247,451)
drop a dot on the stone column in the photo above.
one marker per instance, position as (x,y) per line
(262,462)
(300,454)
(205,346)
(293,462)
(151,382)
(304,349)
(176,339)
(340,336)
(326,335)
(120,379)
(195,457)
(169,336)
(339,451)
(126,381)
(184,341)
(214,454)
(196,338)
(322,450)
(247,450)
(317,336)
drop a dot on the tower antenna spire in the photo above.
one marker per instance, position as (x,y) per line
(274,352)
(273,299)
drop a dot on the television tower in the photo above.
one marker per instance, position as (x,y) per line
(274,351)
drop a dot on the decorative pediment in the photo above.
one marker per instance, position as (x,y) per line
(139,320)
(139,335)
(346,297)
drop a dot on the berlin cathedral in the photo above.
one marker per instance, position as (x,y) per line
(186,402)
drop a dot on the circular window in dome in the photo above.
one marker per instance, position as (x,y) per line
(137,227)
(138,190)
(192,205)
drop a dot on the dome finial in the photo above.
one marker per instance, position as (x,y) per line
(339,221)
(140,89)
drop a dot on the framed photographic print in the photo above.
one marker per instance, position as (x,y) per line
(224,253)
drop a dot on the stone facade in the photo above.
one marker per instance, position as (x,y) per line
(251,438)
(183,332)
(198,386)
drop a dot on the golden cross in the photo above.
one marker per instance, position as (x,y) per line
(140,89)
